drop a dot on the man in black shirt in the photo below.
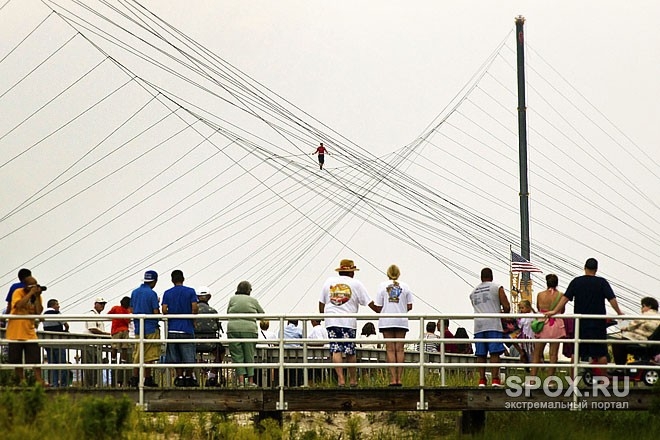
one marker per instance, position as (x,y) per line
(590,292)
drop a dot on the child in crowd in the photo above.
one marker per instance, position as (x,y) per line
(463,348)
(526,335)
(369,332)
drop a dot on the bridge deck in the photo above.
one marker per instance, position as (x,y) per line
(368,399)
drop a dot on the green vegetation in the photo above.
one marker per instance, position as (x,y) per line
(28,414)
(31,413)
(379,378)
(604,425)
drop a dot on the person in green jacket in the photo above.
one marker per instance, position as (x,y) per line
(243,328)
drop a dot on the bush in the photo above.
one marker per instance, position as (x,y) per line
(105,418)
(18,409)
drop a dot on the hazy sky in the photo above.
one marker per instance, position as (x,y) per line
(401,62)
(377,73)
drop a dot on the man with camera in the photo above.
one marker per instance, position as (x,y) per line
(21,333)
(22,275)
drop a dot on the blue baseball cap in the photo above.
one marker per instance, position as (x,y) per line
(150,275)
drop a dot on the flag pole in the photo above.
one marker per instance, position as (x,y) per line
(514,284)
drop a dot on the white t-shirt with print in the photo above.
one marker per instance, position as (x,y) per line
(393,298)
(342,295)
(485,298)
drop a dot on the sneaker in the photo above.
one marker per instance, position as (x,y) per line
(133,382)
(212,382)
(496,383)
(251,385)
(190,382)
(149,382)
(482,383)
(179,382)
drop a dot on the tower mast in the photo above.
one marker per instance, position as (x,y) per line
(525,286)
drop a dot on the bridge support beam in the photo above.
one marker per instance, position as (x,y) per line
(275,415)
(472,421)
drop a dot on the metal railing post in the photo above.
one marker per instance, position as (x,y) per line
(442,353)
(422,404)
(305,359)
(141,363)
(281,404)
(576,361)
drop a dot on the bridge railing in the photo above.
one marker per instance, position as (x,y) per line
(284,366)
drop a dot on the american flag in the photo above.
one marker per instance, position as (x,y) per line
(519,264)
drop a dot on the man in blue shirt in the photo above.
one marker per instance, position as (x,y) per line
(144,301)
(180,300)
(22,275)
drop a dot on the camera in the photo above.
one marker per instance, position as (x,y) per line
(43,288)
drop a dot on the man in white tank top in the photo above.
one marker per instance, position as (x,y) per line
(489,297)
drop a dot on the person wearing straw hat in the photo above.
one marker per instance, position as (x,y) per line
(342,295)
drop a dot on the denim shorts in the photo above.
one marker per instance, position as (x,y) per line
(183,353)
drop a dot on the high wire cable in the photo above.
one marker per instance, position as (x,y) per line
(351,159)
(25,120)
(39,194)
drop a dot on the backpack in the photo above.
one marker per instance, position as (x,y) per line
(208,325)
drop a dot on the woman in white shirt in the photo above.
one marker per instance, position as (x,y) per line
(394,297)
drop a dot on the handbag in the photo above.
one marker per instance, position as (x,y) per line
(538,324)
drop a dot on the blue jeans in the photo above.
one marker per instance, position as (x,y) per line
(57,378)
